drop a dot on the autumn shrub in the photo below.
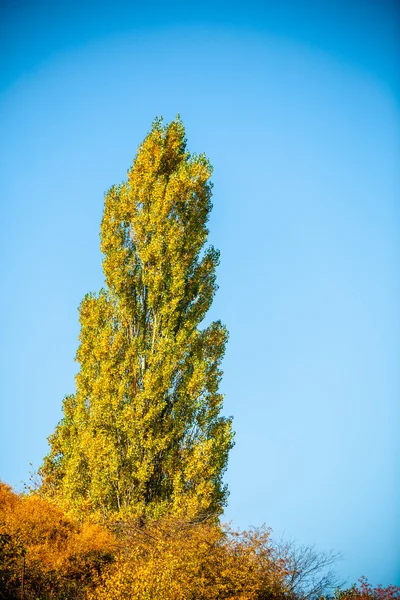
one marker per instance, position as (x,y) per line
(166,559)
(61,557)
(177,560)
(365,591)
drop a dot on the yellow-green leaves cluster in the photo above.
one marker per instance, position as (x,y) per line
(143,433)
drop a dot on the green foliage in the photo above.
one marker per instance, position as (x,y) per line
(143,434)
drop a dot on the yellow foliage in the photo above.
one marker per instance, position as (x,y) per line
(143,434)
(177,560)
(168,559)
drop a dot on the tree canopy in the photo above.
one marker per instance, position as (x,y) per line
(143,433)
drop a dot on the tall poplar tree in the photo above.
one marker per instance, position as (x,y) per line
(143,434)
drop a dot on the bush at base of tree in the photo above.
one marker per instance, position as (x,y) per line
(365,591)
(167,559)
(177,560)
(61,558)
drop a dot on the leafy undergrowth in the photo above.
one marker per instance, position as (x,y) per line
(61,558)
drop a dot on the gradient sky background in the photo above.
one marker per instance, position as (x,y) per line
(297,106)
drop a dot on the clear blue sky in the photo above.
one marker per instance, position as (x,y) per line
(297,106)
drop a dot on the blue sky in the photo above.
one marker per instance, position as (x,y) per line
(297,106)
